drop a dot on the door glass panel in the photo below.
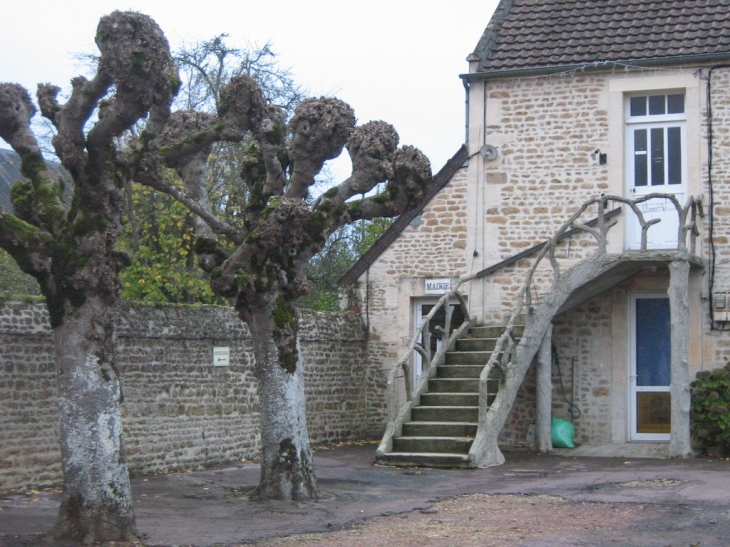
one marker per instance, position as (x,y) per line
(640,157)
(653,412)
(657,156)
(675,103)
(674,156)
(653,342)
(638,106)
(656,105)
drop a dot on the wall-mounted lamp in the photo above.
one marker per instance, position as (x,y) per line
(602,158)
(415,222)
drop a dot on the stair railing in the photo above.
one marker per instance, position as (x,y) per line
(504,357)
(421,344)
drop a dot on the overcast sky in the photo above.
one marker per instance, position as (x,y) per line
(395,60)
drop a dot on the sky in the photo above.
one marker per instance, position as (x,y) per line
(395,60)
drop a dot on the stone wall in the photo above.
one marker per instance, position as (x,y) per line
(179,412)
(585,368)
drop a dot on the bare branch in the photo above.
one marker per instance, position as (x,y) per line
(135,56)
(404,191)
(371,147)
(16,111)
(27,245)
(218,226)
(37,202)
(320,128)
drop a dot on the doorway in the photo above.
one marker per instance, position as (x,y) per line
(421,309)
(650,367)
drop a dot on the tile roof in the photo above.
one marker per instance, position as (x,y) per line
(549,34)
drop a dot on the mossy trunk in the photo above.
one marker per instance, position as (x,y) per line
(97,501)
(287,472)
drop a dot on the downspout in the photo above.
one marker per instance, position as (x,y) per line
(466,110)
(712,194)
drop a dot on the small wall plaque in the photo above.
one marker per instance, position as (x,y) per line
(437,286)
(221,357)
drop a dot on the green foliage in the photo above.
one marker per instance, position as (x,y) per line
(160,232)
(14,284)
(710,421)
(341,251)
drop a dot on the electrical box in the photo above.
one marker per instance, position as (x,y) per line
(721,306)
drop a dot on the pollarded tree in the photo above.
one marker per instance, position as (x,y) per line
(261,263)
(160,231)
(70,250)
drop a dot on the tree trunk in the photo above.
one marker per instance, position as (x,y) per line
(287,472)
(97,501)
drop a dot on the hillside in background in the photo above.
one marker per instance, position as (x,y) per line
(10,172)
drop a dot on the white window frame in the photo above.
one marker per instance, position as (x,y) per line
(663,235)
(656,121)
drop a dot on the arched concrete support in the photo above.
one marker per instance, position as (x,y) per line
(544,398)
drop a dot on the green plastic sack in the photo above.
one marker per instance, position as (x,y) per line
(562,433)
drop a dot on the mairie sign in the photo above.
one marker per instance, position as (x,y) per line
(437,286)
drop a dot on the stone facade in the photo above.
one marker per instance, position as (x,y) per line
(179,412)
(550,132)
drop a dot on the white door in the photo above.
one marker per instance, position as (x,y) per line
(656,145)
(650,367)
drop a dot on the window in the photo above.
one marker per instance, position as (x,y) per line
(656,127)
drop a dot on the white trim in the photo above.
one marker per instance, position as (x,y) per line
(631,84)
(632,387)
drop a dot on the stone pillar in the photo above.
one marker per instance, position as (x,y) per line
(544,393)
(680,444)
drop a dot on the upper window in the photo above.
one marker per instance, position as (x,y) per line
(655,125)
(656,105)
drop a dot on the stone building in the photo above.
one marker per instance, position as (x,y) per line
(577,113)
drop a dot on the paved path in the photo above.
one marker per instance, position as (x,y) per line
(211,507)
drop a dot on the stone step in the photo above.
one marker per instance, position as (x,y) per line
(439,429)
(468,357)
(450,399)
(441,445)
(453,385)
(410,459)
(475,344)
(495,332)
(445,413)
(459,371)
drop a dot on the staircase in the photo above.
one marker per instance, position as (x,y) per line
(442,427)
(454,415)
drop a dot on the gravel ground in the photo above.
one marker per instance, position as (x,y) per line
(532,501)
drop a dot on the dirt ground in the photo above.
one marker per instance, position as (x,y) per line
(532,501)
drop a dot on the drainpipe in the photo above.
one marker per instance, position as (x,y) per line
(713,257)
(466,109)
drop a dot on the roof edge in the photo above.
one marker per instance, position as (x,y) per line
(490,34)
(597,66)
(389,236)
